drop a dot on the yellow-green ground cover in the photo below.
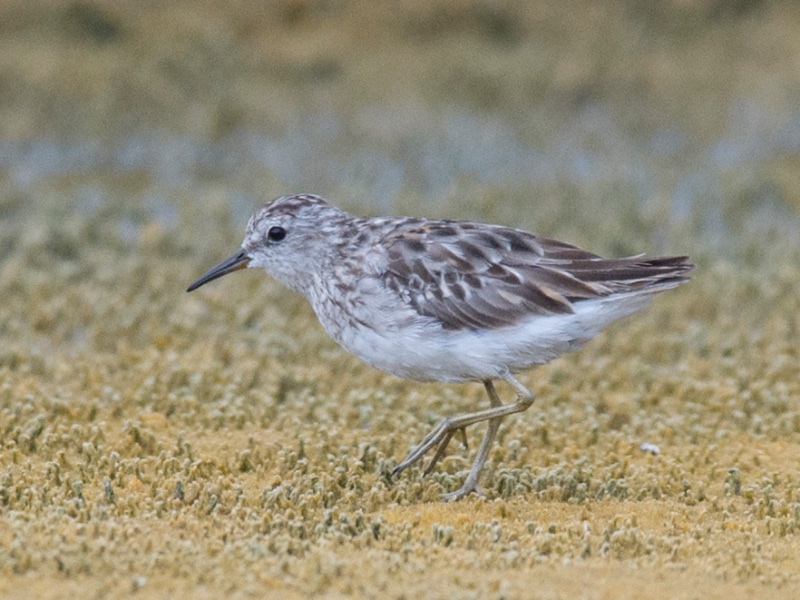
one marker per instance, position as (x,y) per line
(218,444)
(222,443)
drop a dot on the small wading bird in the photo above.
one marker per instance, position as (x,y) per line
(446,300)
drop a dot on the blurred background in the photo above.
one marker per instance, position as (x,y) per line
(624,125)
(137,137)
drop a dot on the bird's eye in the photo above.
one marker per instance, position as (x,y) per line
(276,234)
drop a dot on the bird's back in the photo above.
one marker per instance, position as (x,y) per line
(471,275)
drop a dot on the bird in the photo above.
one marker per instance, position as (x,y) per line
(445,300)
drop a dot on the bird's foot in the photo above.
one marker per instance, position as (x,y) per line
(470,487)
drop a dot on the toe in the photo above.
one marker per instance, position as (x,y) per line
(469,487)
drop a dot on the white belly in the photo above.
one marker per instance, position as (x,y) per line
(413,347)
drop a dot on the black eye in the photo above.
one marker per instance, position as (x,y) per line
(276,234)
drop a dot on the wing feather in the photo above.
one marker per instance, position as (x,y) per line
(472,276)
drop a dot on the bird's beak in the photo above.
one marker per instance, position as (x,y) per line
(240,260)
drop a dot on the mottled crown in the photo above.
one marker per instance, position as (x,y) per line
(302,207)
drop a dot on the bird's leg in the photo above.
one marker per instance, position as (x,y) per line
(443,446)
(471,482)
(439,452)
(464,438)
(494,400)
(442,434)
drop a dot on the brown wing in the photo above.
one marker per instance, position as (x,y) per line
(471,276)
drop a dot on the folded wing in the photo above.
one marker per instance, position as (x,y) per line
(474,276)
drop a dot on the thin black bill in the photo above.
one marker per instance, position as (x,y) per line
(229,265)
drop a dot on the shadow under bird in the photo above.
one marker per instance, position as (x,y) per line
(440,300)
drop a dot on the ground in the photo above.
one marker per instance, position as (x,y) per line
(170,445)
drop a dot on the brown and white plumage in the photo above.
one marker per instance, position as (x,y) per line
(446,300)
(470,275)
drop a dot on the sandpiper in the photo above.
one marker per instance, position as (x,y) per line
(440,300)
